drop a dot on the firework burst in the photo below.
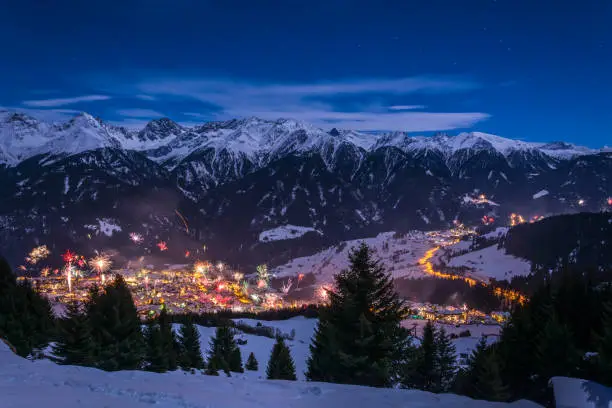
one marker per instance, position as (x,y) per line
(286,287)
(238,276)
(100,263)
(262,273)
(37,254)
(136,237)
(162,246)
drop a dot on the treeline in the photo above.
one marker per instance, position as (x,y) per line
(564,330)
(583,239)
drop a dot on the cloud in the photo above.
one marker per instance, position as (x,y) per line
(406,107)
(145,97)
(48,115)
(318,104)
(140,113)
(65,101)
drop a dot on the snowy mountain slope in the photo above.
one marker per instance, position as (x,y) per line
(70,386)
(235,179)
(491,262)
(399,254)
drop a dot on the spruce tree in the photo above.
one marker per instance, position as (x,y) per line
(26,318)
(482,379)
(604,347)
(281,365)
(74,343)
(116,327)
(252,364)
(223,353)
(446,361)
(487,383)
(190,353)
(156,359)
(556,354)
(169,340)
(421,371)
(359,337)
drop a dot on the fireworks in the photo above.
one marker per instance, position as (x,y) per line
(238,276)
(516,219)
(136,237)
(261,284)
(262,273)
(610,201)
(187,254)
(201,268)
(100,263)
(486,220)
(323,293)
(581,202)
(68,256)
(286,287)
(162,246)
(37,254)
(220,266)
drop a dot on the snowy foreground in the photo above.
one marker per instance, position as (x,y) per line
(42,383)
(25,383)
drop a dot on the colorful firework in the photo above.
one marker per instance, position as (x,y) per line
(187,254)
(37,254)
(136,237)
(286,287)
(200,268)
(69,256)
(162,246)
(100,263)
(238,276)
(262,273)
(610,201)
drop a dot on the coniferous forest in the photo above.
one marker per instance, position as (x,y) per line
(565,329)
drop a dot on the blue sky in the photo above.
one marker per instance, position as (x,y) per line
(530,69)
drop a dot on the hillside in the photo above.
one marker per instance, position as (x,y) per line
(69,387)
(583,239)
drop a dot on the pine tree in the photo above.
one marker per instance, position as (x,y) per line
(252,364)
(556,354)
(116,327)
(190,353)
(604,347)
(156,359)
(359,337)
(74,344)
(421,371)
(487,383)
(26,318)
(482,379)
(281,365)
(170,344)
(235,361)
(222,354)
(446,361)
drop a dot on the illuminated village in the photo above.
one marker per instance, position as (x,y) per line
(206,287)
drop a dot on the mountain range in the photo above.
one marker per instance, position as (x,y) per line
(87,184)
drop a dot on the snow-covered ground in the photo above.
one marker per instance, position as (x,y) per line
(284,232)
(577,393)
(25,383)
(492,262)
(399,254)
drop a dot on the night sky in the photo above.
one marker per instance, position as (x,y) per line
(526,69)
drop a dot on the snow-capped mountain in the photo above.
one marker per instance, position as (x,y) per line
(234,179)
